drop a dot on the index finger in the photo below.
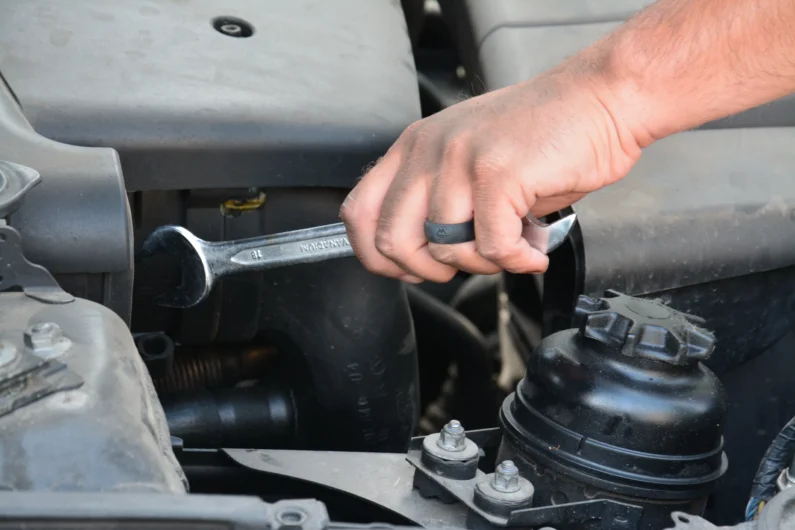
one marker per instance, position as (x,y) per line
(361,211)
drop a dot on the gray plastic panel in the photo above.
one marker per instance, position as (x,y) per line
(76,223)
(107,435)
(492,15)
(545,47)
(509,41)
(317,92)
(699,206)
(77,220)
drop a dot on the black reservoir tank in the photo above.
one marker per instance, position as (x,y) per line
(622,408)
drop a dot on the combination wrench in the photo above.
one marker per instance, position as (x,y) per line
(202,263)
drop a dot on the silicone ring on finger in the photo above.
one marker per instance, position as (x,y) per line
(450,234)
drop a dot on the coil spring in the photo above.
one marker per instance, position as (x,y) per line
(213,368)
(199,371)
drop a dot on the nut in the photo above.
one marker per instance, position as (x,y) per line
(506,477)
(453,437)
(46,339)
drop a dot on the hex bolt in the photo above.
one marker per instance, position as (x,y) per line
(46,340)
(43,328)
(452,437)
(506,477)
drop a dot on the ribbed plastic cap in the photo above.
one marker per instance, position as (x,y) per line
(644,328)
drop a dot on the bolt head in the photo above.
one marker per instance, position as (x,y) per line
(506,477)
(46,339)
(452,437)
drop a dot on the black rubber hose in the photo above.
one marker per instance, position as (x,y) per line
(441,330)
(477,299)
(260,417)
(777,457)
(345,336)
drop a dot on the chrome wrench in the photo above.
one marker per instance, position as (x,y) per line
(202,262)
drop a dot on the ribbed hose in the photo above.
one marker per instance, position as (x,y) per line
(778,456)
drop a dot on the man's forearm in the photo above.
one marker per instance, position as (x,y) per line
(681,63)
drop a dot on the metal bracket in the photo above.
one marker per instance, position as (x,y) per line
(15,181)
(49,509)
(26,378)
(15,270)
(612,514)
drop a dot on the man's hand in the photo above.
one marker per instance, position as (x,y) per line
(541,145)
(531,148)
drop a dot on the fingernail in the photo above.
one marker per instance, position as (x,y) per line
(408,278)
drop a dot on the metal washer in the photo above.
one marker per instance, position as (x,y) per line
(500,503)
(431,446)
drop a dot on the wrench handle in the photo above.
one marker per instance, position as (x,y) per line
(308,245)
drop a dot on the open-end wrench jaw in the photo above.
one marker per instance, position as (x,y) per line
(547,237)
(196,281)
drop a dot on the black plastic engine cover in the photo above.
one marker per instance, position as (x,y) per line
(317,92)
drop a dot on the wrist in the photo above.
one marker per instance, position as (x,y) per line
(633,97)
(609,100)
(622,90)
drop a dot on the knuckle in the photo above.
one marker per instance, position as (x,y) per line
(490,165)
(412,129)
(495,252)
(346,213)
(456,150)
(425,132)
(350,214)
(385,244)
(424,142)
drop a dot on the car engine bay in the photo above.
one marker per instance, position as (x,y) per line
(645,382)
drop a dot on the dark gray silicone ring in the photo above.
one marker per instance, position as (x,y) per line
(450,234)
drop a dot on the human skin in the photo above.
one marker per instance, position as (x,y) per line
(539,146)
